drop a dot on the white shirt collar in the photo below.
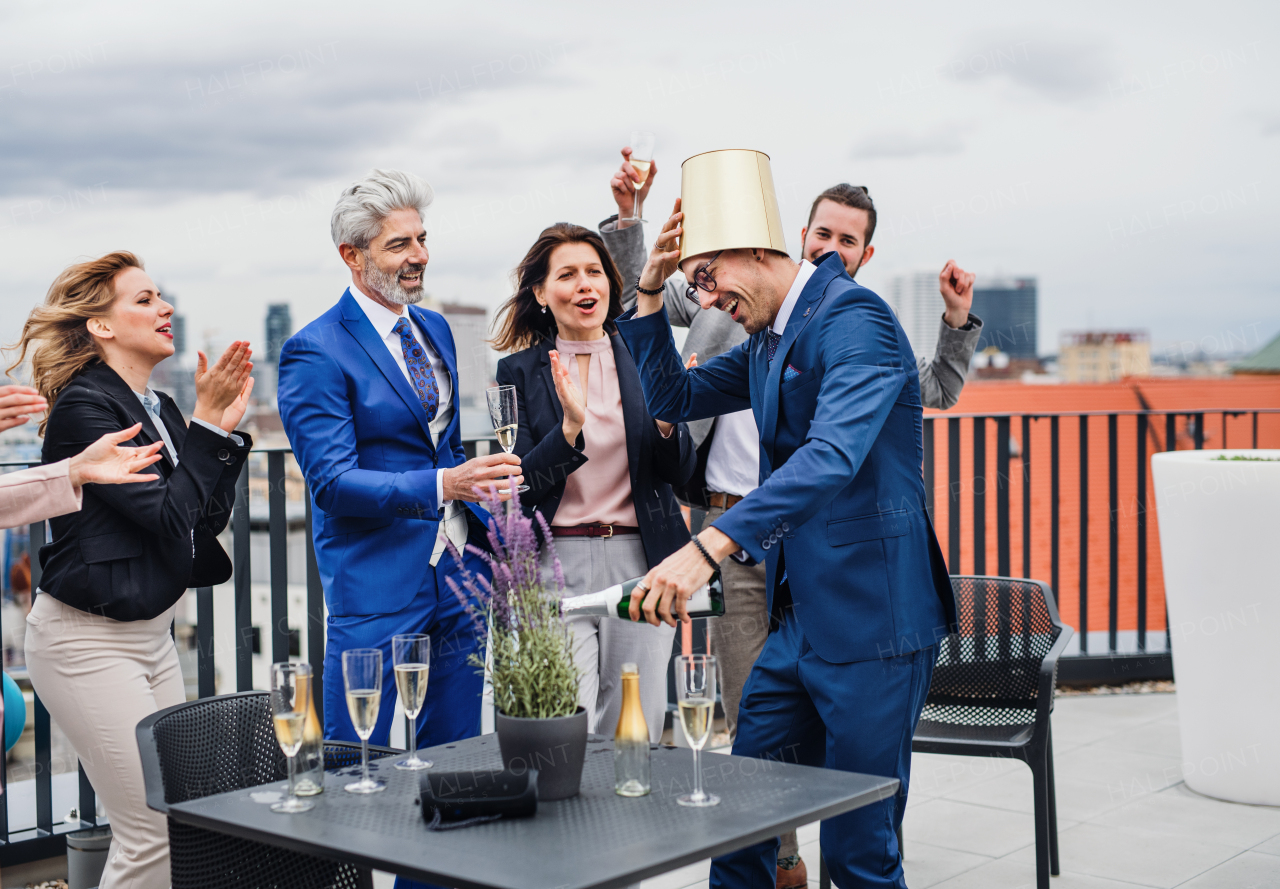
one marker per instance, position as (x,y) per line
(382,318)
(784,314)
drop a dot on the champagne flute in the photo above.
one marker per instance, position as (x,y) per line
(290,703)
(411,659)
(641,159)
(505,419)
(362,673)
(696,696)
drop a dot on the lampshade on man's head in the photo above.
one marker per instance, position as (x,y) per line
(732,247)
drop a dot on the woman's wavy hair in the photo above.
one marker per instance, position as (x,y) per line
(56,337)
(520,321)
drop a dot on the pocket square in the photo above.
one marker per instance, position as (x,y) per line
(790,373)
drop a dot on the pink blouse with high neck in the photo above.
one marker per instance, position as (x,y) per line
(600,490)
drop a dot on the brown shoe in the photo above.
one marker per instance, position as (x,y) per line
(795,878)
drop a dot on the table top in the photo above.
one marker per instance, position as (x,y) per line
(595,840)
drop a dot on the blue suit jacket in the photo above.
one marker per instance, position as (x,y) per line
(841,498)
(363,442)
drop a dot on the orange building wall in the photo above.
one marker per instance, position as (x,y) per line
(1212,395)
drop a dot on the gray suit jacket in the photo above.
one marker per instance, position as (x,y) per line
(713,332)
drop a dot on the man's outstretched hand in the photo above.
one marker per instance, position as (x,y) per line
(679,576)
(956,287)
(472,479)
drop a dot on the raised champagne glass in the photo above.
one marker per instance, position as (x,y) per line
(641,159)
(362,675)
(505,418)
(411,659)
(696,697)
(290,702)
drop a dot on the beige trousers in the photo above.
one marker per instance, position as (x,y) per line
(737,639)
(99,678)
(601,645)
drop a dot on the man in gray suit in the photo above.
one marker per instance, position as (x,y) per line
(843,219)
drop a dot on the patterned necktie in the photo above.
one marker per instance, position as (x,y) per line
(774,339)
(420,372)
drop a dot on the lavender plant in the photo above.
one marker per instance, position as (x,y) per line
(530,663)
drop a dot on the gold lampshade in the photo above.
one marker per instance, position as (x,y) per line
(729,203)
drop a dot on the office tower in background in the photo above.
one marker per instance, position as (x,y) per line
(176,375)
(1007,307)
(470,326)
(278,328)
(914,297)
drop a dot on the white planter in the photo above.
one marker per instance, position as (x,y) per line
(1220,544)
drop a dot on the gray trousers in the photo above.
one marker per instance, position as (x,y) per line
(601,645)
(736,639)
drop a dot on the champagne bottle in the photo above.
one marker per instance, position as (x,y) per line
(631,739)
(615,601)
(310,762)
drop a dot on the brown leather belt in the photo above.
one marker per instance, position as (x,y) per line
(721,500)
(592,529)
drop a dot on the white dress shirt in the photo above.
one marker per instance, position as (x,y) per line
(151,404)
(733,463)
(454,526)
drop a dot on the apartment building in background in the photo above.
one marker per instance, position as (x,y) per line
(1104,356)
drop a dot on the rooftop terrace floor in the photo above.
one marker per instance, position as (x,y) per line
(1125,818)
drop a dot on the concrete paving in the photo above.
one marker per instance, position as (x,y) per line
(1125,819)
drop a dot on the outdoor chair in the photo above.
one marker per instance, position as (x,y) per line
(992,691)
(213,745)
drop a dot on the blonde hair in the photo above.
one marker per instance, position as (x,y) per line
(56,334)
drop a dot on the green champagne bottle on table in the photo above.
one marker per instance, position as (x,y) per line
(615,601)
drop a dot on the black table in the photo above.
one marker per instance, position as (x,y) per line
(592,841)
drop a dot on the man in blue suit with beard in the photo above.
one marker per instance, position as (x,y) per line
(857,586)
(368,394)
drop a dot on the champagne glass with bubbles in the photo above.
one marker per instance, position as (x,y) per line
(641,159)
(505,419)
(362,675)
(411,659)
(696,695)
(290,703)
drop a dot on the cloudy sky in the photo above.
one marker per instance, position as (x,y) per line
(1125,154)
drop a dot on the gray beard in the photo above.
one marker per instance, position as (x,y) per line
(388,286)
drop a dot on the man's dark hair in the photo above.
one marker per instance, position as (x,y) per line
(855,196)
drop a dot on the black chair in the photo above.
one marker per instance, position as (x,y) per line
(213,745)
(992,691)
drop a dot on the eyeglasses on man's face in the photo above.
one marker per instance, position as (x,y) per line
(702,280)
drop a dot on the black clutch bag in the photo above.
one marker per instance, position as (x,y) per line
(455,798)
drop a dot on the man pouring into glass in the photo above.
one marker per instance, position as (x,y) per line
(856,584)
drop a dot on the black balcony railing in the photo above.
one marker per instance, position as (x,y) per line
(1036,461)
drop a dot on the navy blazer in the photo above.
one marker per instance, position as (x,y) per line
(132,550)
(547,459)
(364,444)
(841,496)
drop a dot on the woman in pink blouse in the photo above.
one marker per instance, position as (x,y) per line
(599,467)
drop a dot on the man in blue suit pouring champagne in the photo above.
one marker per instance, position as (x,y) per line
(858,590)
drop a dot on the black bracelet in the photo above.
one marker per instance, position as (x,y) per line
(706,555)
(646,292)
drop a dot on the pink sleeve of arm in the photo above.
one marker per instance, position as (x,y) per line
(35,494)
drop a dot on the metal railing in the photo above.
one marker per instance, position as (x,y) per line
(950,442)
(1096,539)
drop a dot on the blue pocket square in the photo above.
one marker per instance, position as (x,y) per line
(790,373)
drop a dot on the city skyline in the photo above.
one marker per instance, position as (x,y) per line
(1122,156)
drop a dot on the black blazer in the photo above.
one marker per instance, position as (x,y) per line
(656,463)
(132,550)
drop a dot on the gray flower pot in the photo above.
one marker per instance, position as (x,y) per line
(556,747)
